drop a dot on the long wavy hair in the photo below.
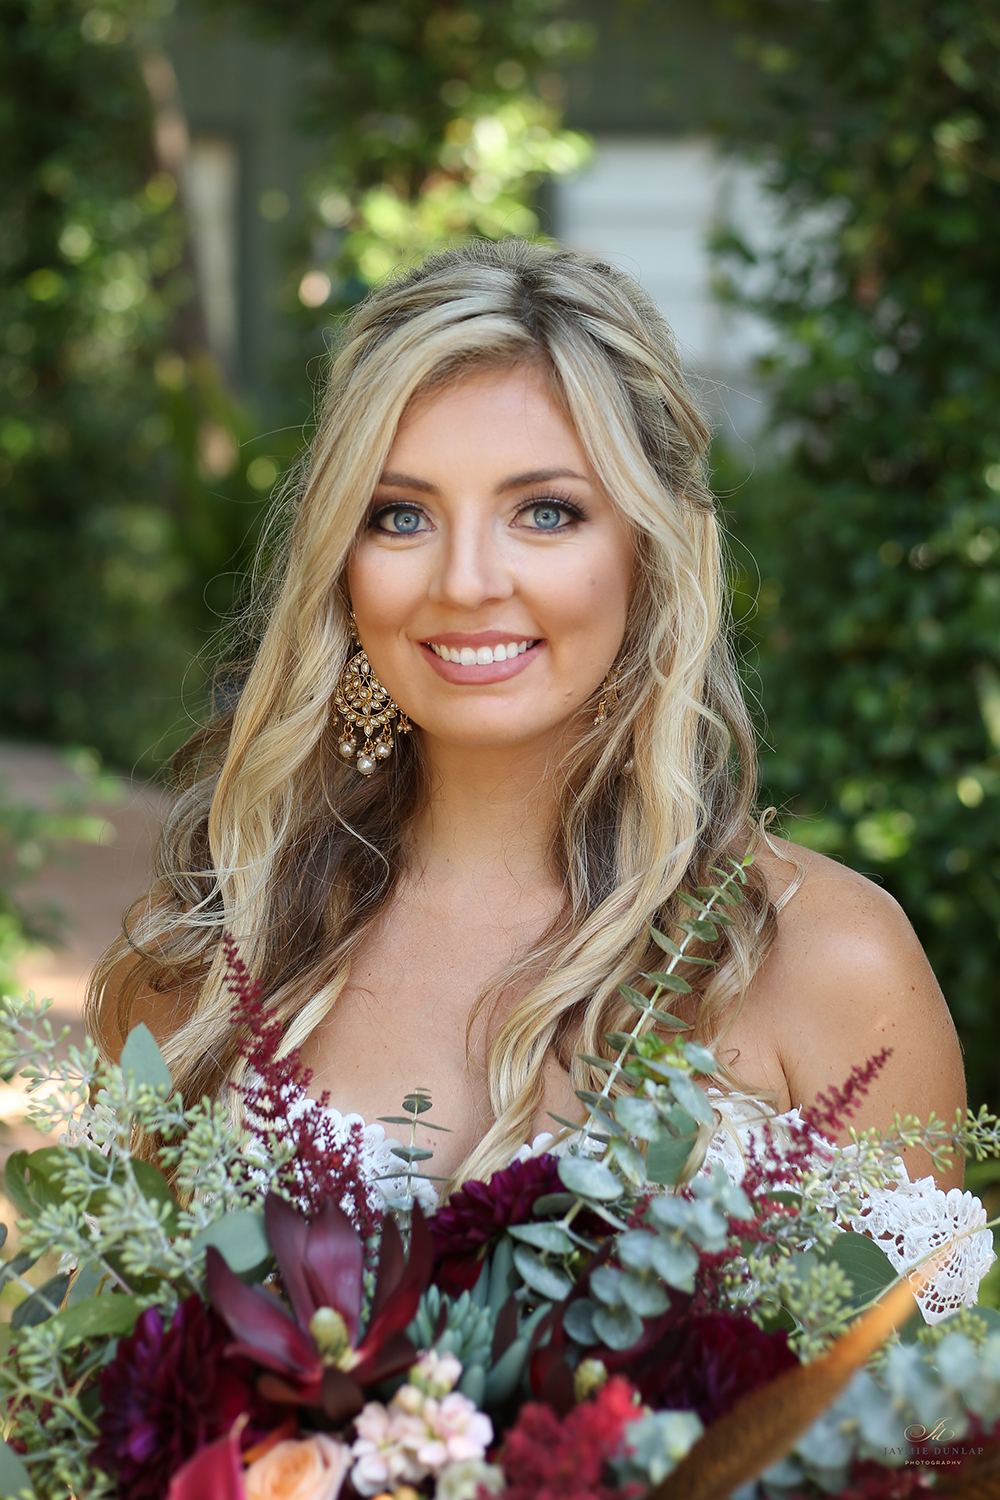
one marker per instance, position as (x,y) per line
(274,838)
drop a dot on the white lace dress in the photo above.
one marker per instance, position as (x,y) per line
(908,1220)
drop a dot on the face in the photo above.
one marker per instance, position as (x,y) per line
(491,580)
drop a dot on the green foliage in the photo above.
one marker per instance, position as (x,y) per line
(441,122)
(118,459)
(877,530)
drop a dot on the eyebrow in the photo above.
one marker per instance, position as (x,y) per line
(397,481)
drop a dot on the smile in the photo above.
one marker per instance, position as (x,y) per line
(481,656)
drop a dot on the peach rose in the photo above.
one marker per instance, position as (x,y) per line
(299,1469)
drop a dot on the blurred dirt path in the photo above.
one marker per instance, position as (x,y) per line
(90,884)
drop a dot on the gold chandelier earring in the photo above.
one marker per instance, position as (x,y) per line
(610,698)
(364,708)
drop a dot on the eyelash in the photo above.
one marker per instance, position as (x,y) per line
(551,497)
(546,497)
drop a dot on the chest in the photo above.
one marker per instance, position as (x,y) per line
(409,1017)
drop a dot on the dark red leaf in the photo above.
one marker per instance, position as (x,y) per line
(263,1329)
(287,1233)
(334,1265)
(393,1354)
(341,1395)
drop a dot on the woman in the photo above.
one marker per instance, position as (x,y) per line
(506,510)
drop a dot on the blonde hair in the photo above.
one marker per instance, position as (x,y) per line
(274,838)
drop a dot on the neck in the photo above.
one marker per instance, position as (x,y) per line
(490,816)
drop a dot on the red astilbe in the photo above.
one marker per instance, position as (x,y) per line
(775,1161)
(545,1458)
(327,1160)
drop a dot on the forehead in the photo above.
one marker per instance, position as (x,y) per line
(491,416)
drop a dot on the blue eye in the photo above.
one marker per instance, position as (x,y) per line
(547,517)
(406,520)
(402,520)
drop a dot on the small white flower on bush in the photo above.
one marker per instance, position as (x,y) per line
(418,1433)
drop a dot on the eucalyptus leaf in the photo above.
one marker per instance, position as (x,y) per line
(644,1294)
(408,1120)
(667,944)
(17,1265)
(15,1481)
(411,1153)
(43,1305)
(603,1063)
(637,1115)
(690,1097)
(552,1203)
(668,1156)
(86,1283)
(634,1249)
(501,1274)
(868,1267)
(618,1327)
(418,1103)
(700,1058)
(100,1317)
(663,1016)
(621,1041)
(669,981)
(590,1179)
(597,1116)
(548,1237)
(675,1261)
(578,1321)
(547,1280)
(143,1059)
(154,1186)
(240,1239)
(606,1285)
(631,1162)
(706,932)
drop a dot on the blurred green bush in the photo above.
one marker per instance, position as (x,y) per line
(123,490)
(876,521)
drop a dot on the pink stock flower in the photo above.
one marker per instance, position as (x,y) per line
(416,1435)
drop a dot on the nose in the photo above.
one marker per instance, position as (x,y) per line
(472,567)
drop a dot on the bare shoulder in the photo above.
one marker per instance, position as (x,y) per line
(845,979)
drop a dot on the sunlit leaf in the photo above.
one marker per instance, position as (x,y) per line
(142,1058)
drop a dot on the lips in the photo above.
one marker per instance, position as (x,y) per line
(475,661)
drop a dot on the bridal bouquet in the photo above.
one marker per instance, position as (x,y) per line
(232,1313)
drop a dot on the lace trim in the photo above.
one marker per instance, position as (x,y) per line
(908,1220)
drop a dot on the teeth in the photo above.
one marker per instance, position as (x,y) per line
(483,656)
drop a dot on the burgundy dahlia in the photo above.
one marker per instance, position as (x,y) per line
(478,1214)
(166,1393)
(703,1363)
